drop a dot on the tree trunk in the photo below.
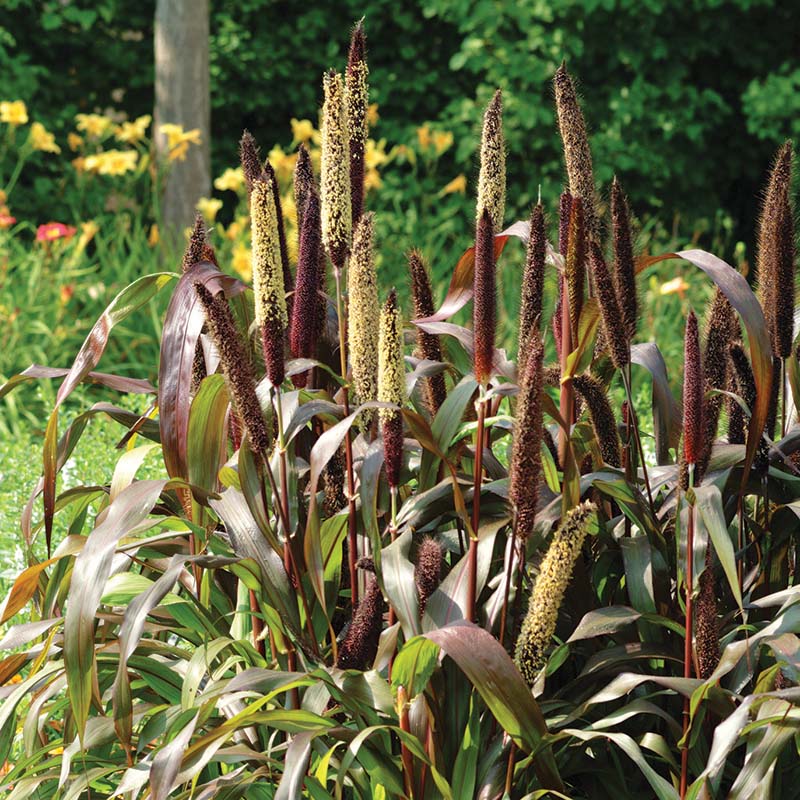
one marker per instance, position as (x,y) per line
(183,98)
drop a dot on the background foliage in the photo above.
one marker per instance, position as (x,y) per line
(687,100)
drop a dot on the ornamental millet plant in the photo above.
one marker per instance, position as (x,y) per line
(298,587)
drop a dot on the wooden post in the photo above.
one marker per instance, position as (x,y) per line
(183,98)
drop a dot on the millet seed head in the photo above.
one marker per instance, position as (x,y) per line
(335,172)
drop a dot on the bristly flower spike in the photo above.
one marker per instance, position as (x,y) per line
(428,345)
(288,279)
(428,570)
(532,285)
(577,155)
(624,264)
(360,645)
(603,422)
(526,455)
(575,263)
(197,242)
(302,182)
(492,176)
(270,299)
(251,160)
(776,252)
(551,584)
(692,393)
(236,366)
(364,312)
(721,328)
(391,387)
(357,103)
(335,169)
(306,320)
(484,315)
(613,325)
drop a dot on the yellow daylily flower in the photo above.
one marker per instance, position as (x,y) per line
(282,163)
(424,136)
(236,228)
(95,125)
(178,140)
(133,132)
(209,207)
(231,179)
(13,112)
(242,262)
(458,184)
(676,285)
(441,141)
(302,129)
(372,179)
(372,114)
(375,153)
(42,139)
(154,236)
(111,162)
(74,141)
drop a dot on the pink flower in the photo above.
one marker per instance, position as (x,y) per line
(6,221)
(54,230)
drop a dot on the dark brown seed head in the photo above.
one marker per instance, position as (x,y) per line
(209,255)
(391,386)
(564,211)
(575,263)
(251,160)
(428,570)
(624,266)
(526,455)
(303,182)
(333,481)
(360,645)
(357,104)
(306,320)
(428,345)
(577,155)
(197,241)
(485,299)
(692,393)
(532,284)
(613,326)
(721,328)
(236,366)
(603,422)
(706,622)
(744,385)
(776,252)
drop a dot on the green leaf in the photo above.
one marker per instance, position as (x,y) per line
(604,621)
(397,577)
(666,410)
(91,570)
(414,665)
(708,501)
(491,671)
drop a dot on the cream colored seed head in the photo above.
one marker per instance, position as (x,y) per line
(492,177)
(548,592)
(335,171)
(364,311)
(357,102)
(391,366)
(267,265)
